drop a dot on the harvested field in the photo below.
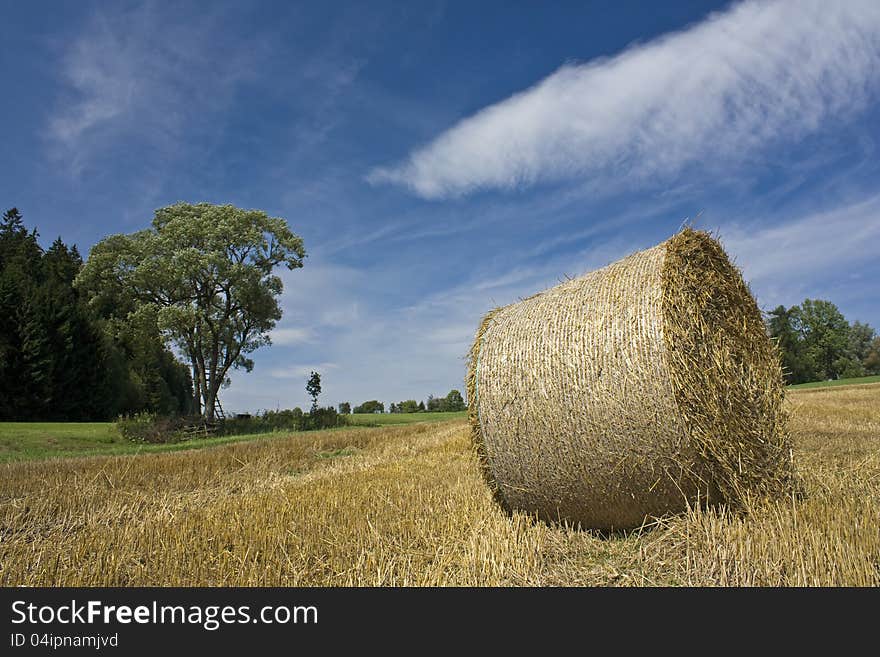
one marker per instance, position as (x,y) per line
(408,506)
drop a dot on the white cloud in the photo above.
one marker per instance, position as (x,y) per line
(297,371)
(711,95)
(291,336)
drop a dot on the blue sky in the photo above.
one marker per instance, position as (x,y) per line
(442,158)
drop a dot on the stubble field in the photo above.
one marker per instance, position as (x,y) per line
(405,505)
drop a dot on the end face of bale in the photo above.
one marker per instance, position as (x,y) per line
(724,370)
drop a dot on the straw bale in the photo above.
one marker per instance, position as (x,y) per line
(632,392)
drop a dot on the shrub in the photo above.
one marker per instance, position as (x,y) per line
(151,428)
(325,418)
(284,420)
(138,428)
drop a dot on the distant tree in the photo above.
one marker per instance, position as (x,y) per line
(872,359)
(826,339)
(860,338)
(436,404)
(454,401)
(393,408)
(781,327)
(408,406)
(313,387)
(372,406)
(344,408)
(206,272)
(421,407)
(817,342)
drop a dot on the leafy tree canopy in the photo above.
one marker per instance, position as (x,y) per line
(816,342)
(454,401)
(313,387)
(372,406)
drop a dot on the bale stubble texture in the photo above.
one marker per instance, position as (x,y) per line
(632,392)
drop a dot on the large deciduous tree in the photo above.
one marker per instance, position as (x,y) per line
(205,275)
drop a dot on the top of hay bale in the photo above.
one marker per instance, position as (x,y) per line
(633,391)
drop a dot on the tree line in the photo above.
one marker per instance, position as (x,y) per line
(103,338)
(100,338)
(97,339)
(452,402)
(817,343)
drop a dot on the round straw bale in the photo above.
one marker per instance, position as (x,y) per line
(638,390)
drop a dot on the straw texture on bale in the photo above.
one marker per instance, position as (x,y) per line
(634,391)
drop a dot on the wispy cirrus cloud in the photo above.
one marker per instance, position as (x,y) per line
(141,74)
(711,94)
(784,260)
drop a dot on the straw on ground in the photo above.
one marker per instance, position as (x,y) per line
(408,506)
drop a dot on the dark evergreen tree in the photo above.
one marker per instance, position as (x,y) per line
(22,339)
(61,361)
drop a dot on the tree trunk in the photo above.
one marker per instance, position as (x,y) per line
(197,390)
(207,413)
(212,380)
(210,403)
